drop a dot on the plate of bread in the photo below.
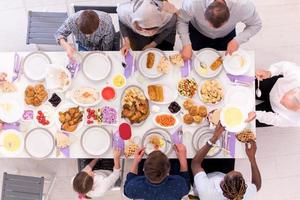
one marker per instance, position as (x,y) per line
(160,93)
(153,63)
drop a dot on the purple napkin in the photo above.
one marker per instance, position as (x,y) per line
(17,67)
(231,143)
(73,68)
(177,136)
(185,70)
(129,60)
(241,79)
(65,151)
(118,142)
(15,126)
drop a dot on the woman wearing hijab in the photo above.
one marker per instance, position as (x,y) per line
(144,24)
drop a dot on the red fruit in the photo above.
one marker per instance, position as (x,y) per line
(40,112)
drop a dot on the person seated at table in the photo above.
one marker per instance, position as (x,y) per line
(220,186)
(93,31)
(91,184)
(158,182)
(212,23)
(144,24)
(280,93)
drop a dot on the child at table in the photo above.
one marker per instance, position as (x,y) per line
(91,184)
(157,183)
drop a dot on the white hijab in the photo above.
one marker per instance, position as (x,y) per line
(144,12)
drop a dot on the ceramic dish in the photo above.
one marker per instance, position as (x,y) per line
(39,143)
(96,141)
(169,94)
(85,96)
(165,116)
(58,79)
(96,66)
(201,136)
(151,73)
(10,110)
(211,92)
(233,118)
(203,61)
(12,143)
(164,140)
(237,94)
(44,116)
(35,66)
(238,63)
(101,116)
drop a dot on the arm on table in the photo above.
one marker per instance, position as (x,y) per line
(256,177)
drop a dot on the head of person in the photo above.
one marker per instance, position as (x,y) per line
(88,22)
(233,186)
(217,13)
(156,167)
(291,100)
(83,183)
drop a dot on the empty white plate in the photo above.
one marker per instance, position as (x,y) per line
(96,66)
(39,143)
(35,66)
(96,140)
(238,63)
(10,110)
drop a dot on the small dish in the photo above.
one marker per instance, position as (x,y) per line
(170,120)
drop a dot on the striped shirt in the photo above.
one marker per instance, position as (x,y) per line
(101,39)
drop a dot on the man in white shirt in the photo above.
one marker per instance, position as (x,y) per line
(219,186)
(280,87)
(211,23)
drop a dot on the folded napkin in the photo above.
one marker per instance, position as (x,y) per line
(177,136)
(231,139)
(185,70)
(118,142)
(17,67)
(129,60)
(73,68)
(15,126)
(243,79)
(65,151)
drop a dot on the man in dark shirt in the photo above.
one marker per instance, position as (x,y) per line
(157,184)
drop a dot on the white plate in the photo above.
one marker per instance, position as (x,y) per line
(35,66)
(238,63)
(240,95)
(39,143)
(50,116)
(96,140)
(11,110)
(142,63)
(87,104)
(170,94)
(207,56)
(64,108)
(96,66)
(52,79)
(200,95)
(236,128)
(19,135)
(165,127)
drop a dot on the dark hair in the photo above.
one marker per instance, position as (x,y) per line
(156,167)
(234,187)
(88,22)
(83,183)
(217,13)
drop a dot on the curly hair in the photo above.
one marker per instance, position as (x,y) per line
(234,187)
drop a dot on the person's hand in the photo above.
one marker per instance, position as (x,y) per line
(251,151)
(187,52)
(219,130)
(232,46)
(169,7)
(262,74)
(138,156)
(70,52)
(126,46)
(180,151)
(3,76)
(117,154)
(251,116)
(151,45)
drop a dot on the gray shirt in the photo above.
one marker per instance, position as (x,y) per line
(240,11)
(102,39)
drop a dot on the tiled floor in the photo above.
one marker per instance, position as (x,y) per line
(278,149)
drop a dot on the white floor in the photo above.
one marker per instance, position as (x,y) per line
(278,149)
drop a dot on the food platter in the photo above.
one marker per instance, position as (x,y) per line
(58,78)
(86,96)
(12,142)
(39,143)
(238,63)
(151,73)
(96,66)
(35,66)
(165,120)
(160,93)
(164,138)
(105,115)
(211,92)
(11,110)
(207,63)
(96,140)
(44,116)
(194,114)
(233,118)
(201,136)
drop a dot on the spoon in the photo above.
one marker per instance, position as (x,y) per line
(258,91)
